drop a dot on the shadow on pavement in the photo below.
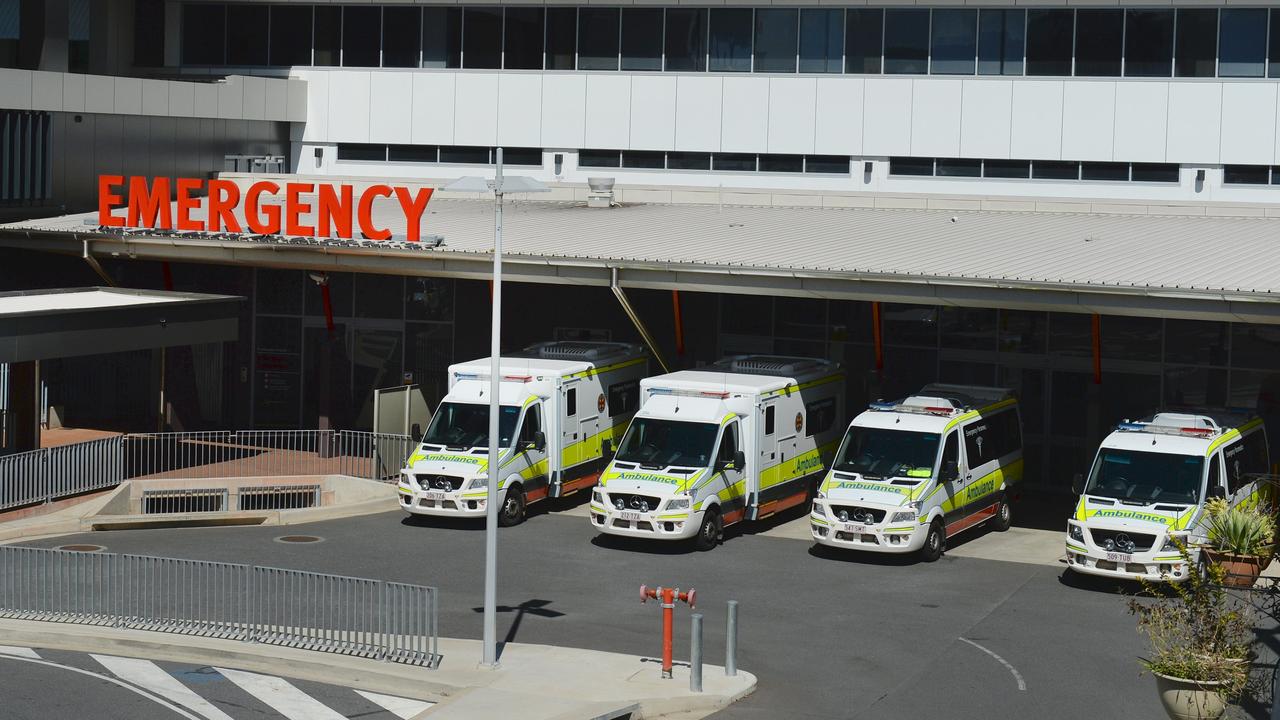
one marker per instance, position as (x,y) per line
(643,545)
(472,524)
(859,557)
(537,608)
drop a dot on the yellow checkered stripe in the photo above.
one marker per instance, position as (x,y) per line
(802,465)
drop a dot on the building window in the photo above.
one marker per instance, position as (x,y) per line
(599,158)
(361,151)
(598,38)
(464,155)
(730,43)
(1196,43)
(821,40)
(646,159)
(1273,51)
(827,164)
(1246,174)
(1148,43)
(247,34)
(910,166)
(1099,42)
(1154,172)
(958,167)
(562,38)
(906,42)
(413,153)
(204,34)
(733,162)
(1242,42)
(782,163)
(1055,170)
(1006,169)
(686,41)
(359,26)
(776,39)
(441,37)
(148,33)
(1001,40)
(482,37)
(401,36)
(953,42)
(1049,35)
(688,161)
(863,41)
(642,38)
(326,36)
(522,38)
(1104,171)
(528,157)
(290,35)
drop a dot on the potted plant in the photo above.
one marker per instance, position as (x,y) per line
(1241,540)
(1199,638)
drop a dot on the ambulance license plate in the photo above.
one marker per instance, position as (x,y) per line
(436,496)
(630,515)
(859,529)
(1119,557)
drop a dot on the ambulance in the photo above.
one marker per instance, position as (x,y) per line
(1146,491)
(912,473)
(563,404)
(738,440)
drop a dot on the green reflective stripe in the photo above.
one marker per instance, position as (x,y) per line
(838,377)
(818,521)
(607,368)
(985,486)
(1232,434)
(592,447)
(979,412)
(801,465)
(1077,549)
(907,528)
(1172,558)
(681,516)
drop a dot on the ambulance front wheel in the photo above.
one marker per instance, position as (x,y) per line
(934,542)
(710,530)
(1004,517)
(512,510)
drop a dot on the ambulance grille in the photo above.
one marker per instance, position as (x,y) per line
(859,514)
(438,482)
(1141,541)
(634,502)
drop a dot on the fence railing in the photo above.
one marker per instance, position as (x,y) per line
(51,473)
(374,619)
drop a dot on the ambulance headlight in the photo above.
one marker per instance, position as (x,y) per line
(1075,532)
(819,508)
(597,496)
(680,503)
(903,516)
(1174,543)
(477,483)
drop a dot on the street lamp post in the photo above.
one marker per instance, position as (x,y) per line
(499,185)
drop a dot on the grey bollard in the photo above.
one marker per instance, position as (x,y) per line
(695,655)
(731,641)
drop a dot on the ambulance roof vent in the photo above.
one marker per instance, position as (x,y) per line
(577,350)
(772,365)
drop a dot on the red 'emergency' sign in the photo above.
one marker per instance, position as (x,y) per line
(147,206)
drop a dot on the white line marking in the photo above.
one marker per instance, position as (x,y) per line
(18,651)
(400,707)
(125,685)
(1022,684)
(149,676)
(281,695)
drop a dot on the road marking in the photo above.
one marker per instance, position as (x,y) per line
(154,698)
(400,707)
(149,676)
(281,695)
(18,651)
(1022,684)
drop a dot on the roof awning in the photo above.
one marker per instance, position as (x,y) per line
(42,324)
(1177,266)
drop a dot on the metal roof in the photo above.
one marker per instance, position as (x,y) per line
(909,255)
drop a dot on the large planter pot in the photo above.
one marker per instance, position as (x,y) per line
(1242,570)
(1190,699)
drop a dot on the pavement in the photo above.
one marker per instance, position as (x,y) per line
(835,634)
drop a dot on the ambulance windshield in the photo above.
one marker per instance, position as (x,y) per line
(465,425)
(878,453)
(1146,477)
(657,443)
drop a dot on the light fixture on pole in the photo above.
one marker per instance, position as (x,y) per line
(499,185)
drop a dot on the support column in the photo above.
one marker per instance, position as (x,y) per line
(42,44)
(24,404)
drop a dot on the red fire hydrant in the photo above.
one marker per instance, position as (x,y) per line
(668,596)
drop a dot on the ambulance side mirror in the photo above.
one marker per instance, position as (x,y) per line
(539,441)
(950,470)
(739,460)
(1077,483)
(1217,492)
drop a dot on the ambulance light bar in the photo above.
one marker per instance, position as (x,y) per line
(1166,429)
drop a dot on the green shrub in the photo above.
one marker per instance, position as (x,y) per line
(1240,531)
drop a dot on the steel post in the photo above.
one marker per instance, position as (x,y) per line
(495,375)
(731,641)
(695,654)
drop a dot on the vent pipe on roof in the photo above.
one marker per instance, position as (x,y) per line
(600,194)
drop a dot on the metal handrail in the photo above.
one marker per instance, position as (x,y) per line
(375,619)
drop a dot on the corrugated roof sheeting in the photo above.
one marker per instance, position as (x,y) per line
(1231,255)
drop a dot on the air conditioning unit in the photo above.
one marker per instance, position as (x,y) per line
(601,192)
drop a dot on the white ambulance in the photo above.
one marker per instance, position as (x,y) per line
(912,473)
(1146,492)
(739,440)
(562,405)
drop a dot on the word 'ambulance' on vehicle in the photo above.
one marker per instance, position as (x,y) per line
(1146,492)
(562,406)
(912,473)
(739,440)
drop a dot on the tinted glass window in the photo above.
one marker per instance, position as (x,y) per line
(821,40)
(247,34)
(768,419)
(835,164)
(441,37)
(963,167)
(290,35)
(906,42)
(624,398)
(327,36)
(1001,37)
(736,162)
(571,402)
(863,41)
(361,30)
(730,43)
(781,163)
(598,38)
(1245,174)
(688,161)
(401,36)
(148,33)
(776,39)
(1099,42)
(686,40)
(910,166)
(1104,171)
(413,153)
(522,38)
(728,443)
(1196,44)
(562,38)
(482,37)
(361,151)
(819,416)
(599,158)
(1054,170)
(643,159)
(954,41)
(1006,169)
(1049,42)
(204,34)
(1154,172)
(642,39)
(532,424)
(464,154)
(1148,43)
(1242,43)
(528,157)
(1273,52)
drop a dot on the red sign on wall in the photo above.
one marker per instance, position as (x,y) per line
(146,203)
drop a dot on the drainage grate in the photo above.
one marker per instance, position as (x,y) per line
(279,497)
(81,548)
(299,539)
(193,500)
